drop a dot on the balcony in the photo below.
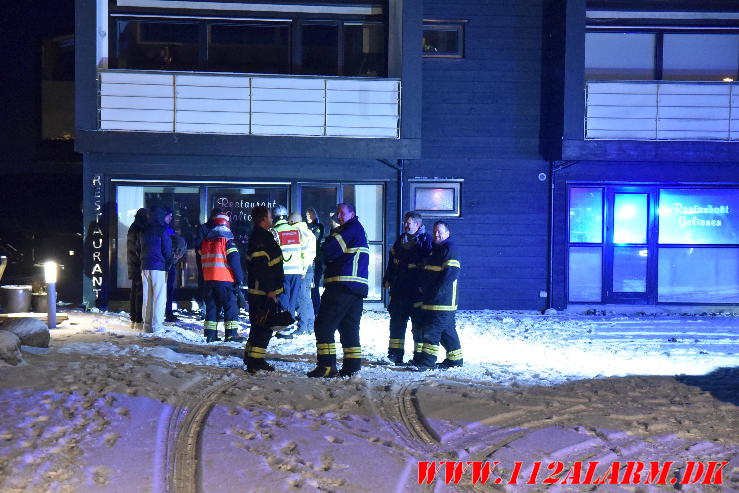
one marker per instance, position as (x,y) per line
(246,104)
(661,110)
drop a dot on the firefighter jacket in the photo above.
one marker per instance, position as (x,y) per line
(265,263)
(307,244)
(438,278)
(290,240)
(220,257)
(347,258)
(404,263)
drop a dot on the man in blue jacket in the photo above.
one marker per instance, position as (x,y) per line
(346,283)
(156,255)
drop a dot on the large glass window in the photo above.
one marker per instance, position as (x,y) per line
(258,48)
(699,275)
(157,45)
(630,269)
(620,56)
(585,274)
(586,215)
(700,56)
(364,50)
(630,217)
(699,216)
(320,43)
(184,201)
(369,202)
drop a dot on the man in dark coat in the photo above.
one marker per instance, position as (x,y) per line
(346,279)
(133,257)
(156,256)
(439,292)
(401,276)
(266,282)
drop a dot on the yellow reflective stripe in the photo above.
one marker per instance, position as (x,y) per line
(451,263)
(417,304)
(435,268)
(232,325)
(260,253)
(211,325)
(418,347)
(344,248)
(397,343)
(396,261)
(440,308)
(231,250)
(412,266)
(352,352)
(454,355)
(360,280)
(340,241)
(260,292)
(326,348)
(274,262)
(431,349)
(454,293)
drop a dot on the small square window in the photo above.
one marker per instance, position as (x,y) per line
(436,198)
(443,39)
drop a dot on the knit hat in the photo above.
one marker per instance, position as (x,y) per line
(221,219)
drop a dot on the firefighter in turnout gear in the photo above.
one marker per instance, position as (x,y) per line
(221,268)
(346,254)
(439,302)
(401,276)
(291,241)
(266,281)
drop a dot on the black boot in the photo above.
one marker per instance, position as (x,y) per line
(323,372)
(254,365)
(447,363)
(211,335)
(350,366)
(233,336)
(395,356)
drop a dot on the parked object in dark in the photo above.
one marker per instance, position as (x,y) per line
(40,302)
(15,298)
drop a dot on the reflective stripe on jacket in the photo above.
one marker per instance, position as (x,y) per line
(346,254)
(439,273)
(290,240)
(214,257)
(265,263)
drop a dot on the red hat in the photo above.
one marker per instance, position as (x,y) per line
(222,219)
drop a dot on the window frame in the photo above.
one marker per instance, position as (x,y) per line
(454,183)
(446,25)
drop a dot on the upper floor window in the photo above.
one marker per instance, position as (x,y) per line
(443,39)
(660,55)
(288,46)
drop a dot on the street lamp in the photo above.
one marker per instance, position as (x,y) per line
(50,269)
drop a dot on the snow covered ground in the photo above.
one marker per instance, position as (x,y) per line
(105,408)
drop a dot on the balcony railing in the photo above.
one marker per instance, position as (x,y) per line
(187,102)
(636,110)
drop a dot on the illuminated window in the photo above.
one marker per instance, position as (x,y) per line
(699,216)
(435,198)
(443,39)
(586,215)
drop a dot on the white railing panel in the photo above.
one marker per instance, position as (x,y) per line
(249,104)
(136,103)
(210,128)
(662,111)
(136,90)
(290,130)
(221,117)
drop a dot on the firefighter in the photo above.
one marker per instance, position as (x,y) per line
(346,284)
(401,276)
(222,274)
(266,281)
(438,280)
(304,303)
(290,239)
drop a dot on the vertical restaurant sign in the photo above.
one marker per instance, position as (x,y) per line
(96,236)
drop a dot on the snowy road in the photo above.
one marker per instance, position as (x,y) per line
(105,409)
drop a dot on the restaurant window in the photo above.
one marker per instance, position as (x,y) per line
(436,198)
(183,200)
(443,39)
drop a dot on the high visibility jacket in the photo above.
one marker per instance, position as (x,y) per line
(265,263)
(404,264)
(290,240)
(308,245)
(346,254)
(220,260)
(438,277)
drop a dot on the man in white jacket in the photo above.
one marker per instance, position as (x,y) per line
(306,315)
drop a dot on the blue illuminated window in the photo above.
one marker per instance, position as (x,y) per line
(699,216)
(630,218)
(698,275)
(585,279)
(586,215)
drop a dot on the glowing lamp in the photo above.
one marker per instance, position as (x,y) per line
(50,272)
(727,79)
(50,269)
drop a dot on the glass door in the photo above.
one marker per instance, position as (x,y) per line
(629,262)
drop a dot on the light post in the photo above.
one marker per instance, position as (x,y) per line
(50,269)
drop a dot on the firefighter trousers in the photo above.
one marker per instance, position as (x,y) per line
(340,310)
(400,311)
(438,328)
(260,309)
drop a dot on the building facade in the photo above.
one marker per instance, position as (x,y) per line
(506,119)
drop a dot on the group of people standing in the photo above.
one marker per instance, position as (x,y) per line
(286,259)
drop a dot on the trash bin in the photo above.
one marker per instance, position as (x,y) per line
(40,302)
(15,298)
